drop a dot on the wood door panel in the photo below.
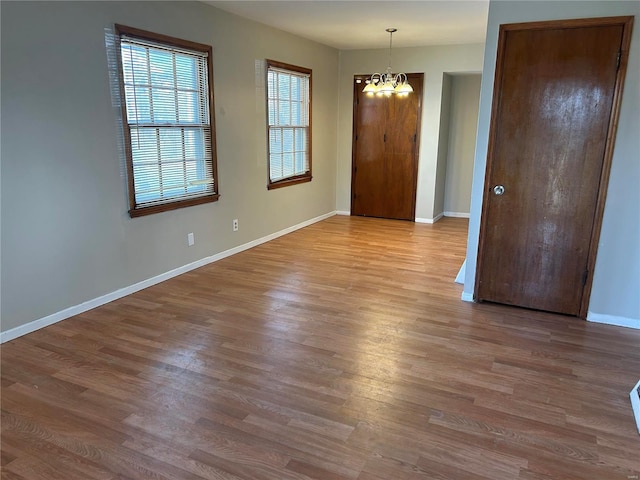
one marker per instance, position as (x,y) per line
(370,176)
(385,156)
(400,175)
(555,100)
(401,153)
(403,118)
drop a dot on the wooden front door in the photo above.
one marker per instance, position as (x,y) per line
(556,98)
(385,153)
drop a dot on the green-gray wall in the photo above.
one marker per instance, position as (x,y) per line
(463,125)
(616,284)
(443,146)
(66,234)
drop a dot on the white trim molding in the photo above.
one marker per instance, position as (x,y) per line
(456,214)
(635,403)
(614,320)
(461,273)
(123,292)
(467,297)
(343,212)
(429,220)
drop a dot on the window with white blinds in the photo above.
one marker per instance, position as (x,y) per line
(168,122)
(289,123)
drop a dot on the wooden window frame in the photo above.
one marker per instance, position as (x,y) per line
(307,176)
(135,209)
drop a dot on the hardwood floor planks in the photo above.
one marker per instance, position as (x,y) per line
(341,351)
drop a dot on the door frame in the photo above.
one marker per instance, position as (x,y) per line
(357,88)
(627,25)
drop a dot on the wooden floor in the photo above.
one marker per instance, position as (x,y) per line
(340,351)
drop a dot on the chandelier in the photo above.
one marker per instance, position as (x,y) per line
(387,84)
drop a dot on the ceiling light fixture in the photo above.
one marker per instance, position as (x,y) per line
(387,84)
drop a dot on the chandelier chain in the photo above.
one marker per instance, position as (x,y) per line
(390,44)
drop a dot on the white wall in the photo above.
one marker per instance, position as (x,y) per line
(433,62)
(465,97)
(616,283)
(66,234)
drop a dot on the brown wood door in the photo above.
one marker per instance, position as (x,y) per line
(557,84)
(385,153)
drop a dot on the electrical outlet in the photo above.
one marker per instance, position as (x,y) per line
(190,239)
(235,224)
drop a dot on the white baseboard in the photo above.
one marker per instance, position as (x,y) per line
(614,320)
(635,403)
(343,212)
(123,292)
(456,214)
(430,220)
(467,297)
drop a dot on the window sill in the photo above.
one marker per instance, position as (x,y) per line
(289,181)
(164,207)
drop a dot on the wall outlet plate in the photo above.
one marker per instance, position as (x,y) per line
(190,239)
(235,224)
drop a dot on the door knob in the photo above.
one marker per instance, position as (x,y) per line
(498,190)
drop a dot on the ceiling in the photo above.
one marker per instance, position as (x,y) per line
(349,25)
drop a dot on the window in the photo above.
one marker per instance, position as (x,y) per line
(289,129)
(167,109)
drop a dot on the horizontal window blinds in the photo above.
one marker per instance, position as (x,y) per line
(166,93)
(288,116)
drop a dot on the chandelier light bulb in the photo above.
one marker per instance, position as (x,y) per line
(387,84)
